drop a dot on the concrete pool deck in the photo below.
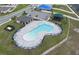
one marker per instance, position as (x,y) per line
(26,42)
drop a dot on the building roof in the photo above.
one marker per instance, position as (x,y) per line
(4,9)
(24,18)
(75,7)
(45,7)
(39,15)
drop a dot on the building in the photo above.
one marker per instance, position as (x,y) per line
(38,15)
(24,19)
(4,9)
(34,15)
(75,7)
(7,8)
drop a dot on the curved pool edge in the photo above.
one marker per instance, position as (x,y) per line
(32,44)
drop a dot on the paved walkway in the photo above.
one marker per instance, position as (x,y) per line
(67,15)
(71,17)
(57,45)
(63,10)
(6,18)
(28,9)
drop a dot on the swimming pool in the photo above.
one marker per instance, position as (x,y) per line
(32,34)
(36,31)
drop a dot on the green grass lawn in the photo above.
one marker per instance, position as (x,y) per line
(7,44)
(70,47)
(19,7)
(65,13)
(60,6)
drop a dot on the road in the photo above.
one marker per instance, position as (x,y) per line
(28,9)
(6,18)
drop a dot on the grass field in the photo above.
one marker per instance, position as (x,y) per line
(20,6)
(65,13)
(60,6)
(71,45)
(7,44)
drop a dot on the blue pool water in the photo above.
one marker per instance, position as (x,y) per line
(41,28)
(29,38)
(45,6)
